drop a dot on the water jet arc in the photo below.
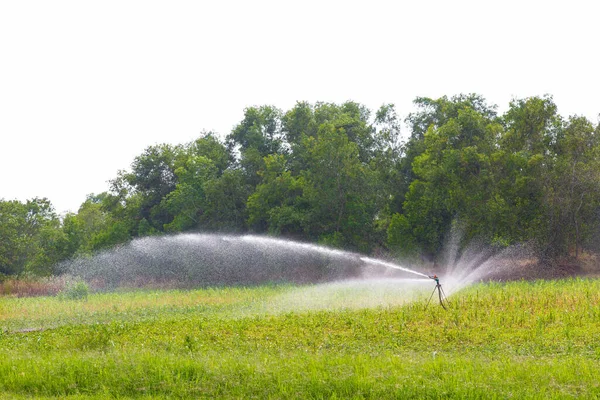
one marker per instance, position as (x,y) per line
(200,260)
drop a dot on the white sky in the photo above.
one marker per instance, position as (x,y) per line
(86,86)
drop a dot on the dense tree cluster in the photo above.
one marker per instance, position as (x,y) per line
(341,176)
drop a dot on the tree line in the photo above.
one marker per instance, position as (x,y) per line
(340,175)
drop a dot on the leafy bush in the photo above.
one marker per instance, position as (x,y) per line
(77,290)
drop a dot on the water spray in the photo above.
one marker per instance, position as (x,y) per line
(441,294)
(386,264)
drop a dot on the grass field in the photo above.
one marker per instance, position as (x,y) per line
(516,340)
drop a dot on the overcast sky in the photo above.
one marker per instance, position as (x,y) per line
(86,86)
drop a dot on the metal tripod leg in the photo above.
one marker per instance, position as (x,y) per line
(430,297)
(439,288)
(444,295)
(441,294)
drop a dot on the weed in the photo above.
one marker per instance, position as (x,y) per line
(77,290)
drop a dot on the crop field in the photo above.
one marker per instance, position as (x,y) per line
(536,339)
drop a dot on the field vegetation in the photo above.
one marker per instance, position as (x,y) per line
(347,177)
(537,339)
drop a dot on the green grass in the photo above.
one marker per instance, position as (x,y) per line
(515,340)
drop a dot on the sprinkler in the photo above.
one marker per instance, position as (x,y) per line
(441,294)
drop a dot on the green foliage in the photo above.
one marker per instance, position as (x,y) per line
(338,189)
(226,199)
(75,290)
(335,239)
(116,233)
(209,146)
(400,236)
(275,204)
(505,179)
(521,339)
(84,228)
(570,201)
(31,237)
(453,179)
(187,201)
(298,122)
(153,177)
(260,129)
(336,173)
(145,229)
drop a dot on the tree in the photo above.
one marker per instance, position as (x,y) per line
(452,176)
(387,162)
(276,204)
(13,237)
(256,136)
(80,228)
(335,174)
(260,129)
(210,193)
(351,119)
(101,222)
(525,161)
(31,238)
(341,204)
(208,145)
(226,199)
(298,122)
(153,177)
(187,202)
(431,113)
(571,199)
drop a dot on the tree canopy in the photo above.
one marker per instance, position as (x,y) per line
(341,175)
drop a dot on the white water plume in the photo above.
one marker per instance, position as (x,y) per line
(291,245)
(324,250)
(476,262)
(386,264)
(332,278)
(200,260)
(351,294)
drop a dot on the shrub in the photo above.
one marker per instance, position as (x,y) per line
(77,290)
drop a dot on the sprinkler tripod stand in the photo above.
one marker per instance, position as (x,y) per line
(441,293)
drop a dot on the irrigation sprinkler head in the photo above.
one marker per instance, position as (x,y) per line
(438,288)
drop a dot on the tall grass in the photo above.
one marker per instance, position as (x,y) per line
(521,340)
(28,286)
